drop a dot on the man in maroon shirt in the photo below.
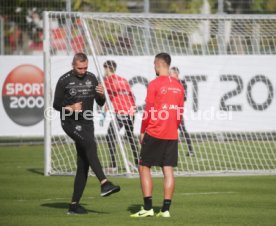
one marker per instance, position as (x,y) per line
(123,103)
(174,72)
(159,135)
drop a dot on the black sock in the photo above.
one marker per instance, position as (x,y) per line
(148,203)
(166,205)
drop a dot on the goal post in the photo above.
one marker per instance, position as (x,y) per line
(47,96)
(226,62)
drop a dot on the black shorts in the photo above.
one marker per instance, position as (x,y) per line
(158,152)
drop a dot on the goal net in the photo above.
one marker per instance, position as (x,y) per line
(226,61)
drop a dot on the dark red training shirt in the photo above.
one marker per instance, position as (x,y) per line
(120,95)
(164,108)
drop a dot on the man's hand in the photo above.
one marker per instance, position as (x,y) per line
(100,89)
(141,137)
(77,107)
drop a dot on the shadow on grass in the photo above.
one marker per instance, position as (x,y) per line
(64,205)
(38,171)
(137,207)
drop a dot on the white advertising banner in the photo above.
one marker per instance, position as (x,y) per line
(21,80)
(224,93)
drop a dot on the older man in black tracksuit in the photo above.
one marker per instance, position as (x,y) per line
(75,93)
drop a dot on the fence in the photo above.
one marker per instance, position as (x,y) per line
(21,21)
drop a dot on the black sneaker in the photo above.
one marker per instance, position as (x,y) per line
(108,188)
(76,209)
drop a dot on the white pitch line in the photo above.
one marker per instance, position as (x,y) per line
(26,200)
(208,193)
(187,194)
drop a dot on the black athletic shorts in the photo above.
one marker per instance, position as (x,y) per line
(158,152)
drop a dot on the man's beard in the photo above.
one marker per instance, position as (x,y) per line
(79,75)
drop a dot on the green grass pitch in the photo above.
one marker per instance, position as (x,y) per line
(27,198)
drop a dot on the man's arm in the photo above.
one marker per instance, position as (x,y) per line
(132,95)
(127,88)
(59,96)
(100,98)
(184,84)
(146,117)
(148,110)
(181,108)
(132,98)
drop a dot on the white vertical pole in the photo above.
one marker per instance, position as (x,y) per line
(220,6)
(147,30)
(221,29)
(2,50)
(47,94)
(68,25)
(113,120)
(68,5)
(146,6)
(256,37)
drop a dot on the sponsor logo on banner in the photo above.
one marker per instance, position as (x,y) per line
(22,95)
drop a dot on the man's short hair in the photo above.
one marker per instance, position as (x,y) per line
(165,57)
(175,69)
(111,64)
(82,57)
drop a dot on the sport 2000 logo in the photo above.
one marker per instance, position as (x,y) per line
(22,95)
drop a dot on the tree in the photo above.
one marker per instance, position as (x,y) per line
(176,6)
(23,21)
(246,6)
(100,6)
